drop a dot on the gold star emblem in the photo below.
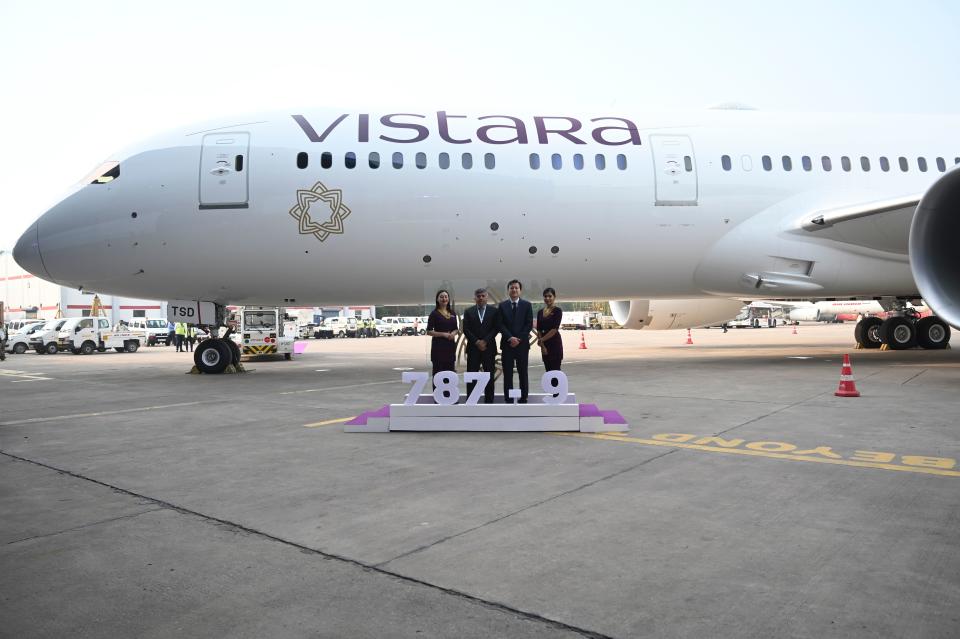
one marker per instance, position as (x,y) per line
(333,198)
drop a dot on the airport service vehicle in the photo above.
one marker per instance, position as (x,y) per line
(323,331)
(305,331)
(341,326)
(580,320)
(674,217)
(153,328)
(19,341)
(44,341)
(84,335)
(265,331)
(15,325)
(758,315)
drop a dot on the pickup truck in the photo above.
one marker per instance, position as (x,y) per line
(83,335)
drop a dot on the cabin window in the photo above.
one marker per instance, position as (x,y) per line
(444,161)
(767,163)
(787,163)
(884,163)
(845,163)
(374,160)
(827,164)
(466,161)
(326,159)
(864,163)
(489,161)
(302,160)
(807,164)
(578,161)
(922,164)
(398,160)
(556,161)
(421,160)
(535,161)
(941,165)
(725,162)
(621,162)
(904,165)
(746,162)
(350,159)
(688,163)
(600,161)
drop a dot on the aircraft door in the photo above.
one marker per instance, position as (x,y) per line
(675,169)
(223,171)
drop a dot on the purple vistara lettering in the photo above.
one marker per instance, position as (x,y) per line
(518,127)
(542,129)
(363,128)
(388,121)
(311,132)
(442,118)
(633,136)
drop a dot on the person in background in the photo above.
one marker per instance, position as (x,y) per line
(180,331)
(480,326)
(171,333)
(442,329)
(191,337)
(548,331)
(516,322)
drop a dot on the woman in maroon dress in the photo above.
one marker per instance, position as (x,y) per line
(548,331)
(442,328)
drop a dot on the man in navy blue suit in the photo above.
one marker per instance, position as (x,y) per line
(516,322)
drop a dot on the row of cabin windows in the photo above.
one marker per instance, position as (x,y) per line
(466,161)
(845,163)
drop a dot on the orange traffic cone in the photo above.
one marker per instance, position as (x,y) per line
(794,329)
(583,342)
(689,337)
(848,387)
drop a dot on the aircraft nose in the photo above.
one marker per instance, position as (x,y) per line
(27,253)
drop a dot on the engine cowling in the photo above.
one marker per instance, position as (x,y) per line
(805,314)
(660,315)
(934,258)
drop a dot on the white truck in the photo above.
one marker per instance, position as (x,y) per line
(264,330)
(757,315)
(83,335)
(19,341)
(44,340)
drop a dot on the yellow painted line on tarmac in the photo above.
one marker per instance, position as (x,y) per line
(926,470)
(35,420)
(327,422)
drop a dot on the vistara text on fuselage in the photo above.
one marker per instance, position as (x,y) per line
(331,206)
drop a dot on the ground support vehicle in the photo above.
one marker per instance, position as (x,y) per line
(758,315)
(18,342)
(323,331)
(306,331)
(154,330)
(44,341)
(580,320)
(263,331)
(83,335)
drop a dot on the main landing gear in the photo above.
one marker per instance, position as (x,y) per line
(902,331)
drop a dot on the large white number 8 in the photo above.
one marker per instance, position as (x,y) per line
(447,391)
(555,385)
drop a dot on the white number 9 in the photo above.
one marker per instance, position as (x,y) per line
(556,387)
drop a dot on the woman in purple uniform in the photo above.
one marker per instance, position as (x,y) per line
(442,328)
(548,331)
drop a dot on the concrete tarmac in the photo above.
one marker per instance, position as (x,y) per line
(746,500)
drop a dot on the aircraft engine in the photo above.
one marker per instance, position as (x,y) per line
(805,314)
(934,258)
(666,314)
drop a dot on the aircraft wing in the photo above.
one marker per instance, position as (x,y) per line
(883,225)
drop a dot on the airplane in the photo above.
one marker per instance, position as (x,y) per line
(667,215)
(845,310)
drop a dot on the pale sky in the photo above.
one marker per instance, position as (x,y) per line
(83,79)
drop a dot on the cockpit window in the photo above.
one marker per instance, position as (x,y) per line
(106,172)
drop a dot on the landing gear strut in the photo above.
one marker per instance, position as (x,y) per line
(217,355)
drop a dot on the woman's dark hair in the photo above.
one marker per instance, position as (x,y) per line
(550,290)
(436,301)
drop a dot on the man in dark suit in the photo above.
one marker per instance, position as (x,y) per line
(516,322)
(480,327)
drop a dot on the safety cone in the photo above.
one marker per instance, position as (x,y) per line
(794,329)
(583,342)
(848,388)
(689,337)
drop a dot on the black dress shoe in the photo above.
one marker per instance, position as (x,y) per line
(522,401)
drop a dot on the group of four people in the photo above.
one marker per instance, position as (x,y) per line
(512,320)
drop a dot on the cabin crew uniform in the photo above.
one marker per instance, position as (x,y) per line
(516,320)
(443,352)
(481,325)
(554,345)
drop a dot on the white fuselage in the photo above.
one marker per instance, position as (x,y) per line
(186,220)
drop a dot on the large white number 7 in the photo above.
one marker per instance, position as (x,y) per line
(481,380)
(419,380)
(561,388)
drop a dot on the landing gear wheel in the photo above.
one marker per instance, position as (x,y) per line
(867,332)
(287,356)
(932,332)
(234,350)
(87,348)
(212,356)
(898,333)
(51,348)
(20,348)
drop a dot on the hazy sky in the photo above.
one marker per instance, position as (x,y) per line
(83,79)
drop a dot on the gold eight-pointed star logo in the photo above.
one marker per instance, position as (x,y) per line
(333,199)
